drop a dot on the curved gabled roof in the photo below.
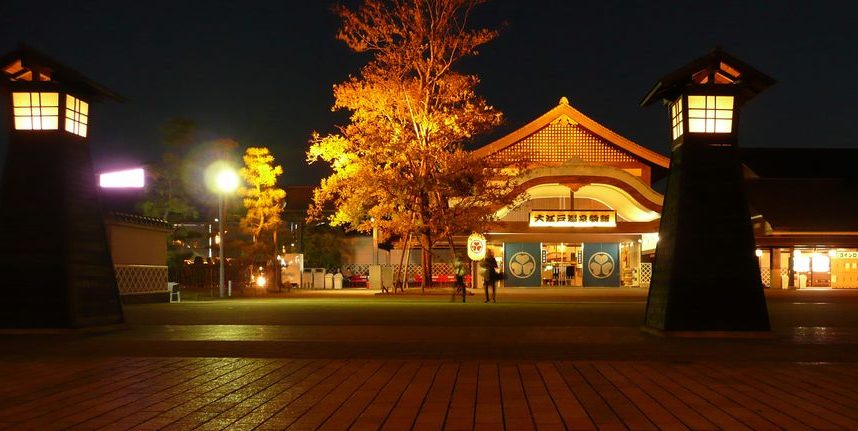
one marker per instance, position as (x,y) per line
(564,109)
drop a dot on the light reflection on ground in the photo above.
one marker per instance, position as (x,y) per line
(823,335)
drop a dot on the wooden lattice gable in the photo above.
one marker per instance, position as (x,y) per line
(564,140)
(563,134)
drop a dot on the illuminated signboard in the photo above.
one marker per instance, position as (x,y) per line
(130,179)
(570,218)
(847,255)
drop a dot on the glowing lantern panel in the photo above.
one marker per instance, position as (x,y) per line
(710,114)
(36,111)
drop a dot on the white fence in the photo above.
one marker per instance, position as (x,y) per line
(766,275)
(412,268)
(646,274)
(137,279)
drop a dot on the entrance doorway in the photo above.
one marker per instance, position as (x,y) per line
(565,264)
(569,264)
(561,264)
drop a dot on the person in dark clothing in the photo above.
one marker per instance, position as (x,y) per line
(459,270)
(491,274)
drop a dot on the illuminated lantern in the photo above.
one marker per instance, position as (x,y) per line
(704,98)
(706,276)
(476,246)
(54,253)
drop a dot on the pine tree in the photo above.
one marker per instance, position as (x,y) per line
(261,196)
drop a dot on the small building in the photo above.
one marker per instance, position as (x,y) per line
(804,204)
(138,246)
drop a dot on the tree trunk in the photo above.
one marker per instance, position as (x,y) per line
(425,237)
(426,258)
(276,262)
(402,273)
(407,259)
(453,256)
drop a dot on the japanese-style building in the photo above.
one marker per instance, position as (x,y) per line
(802,201)
(591,205)
(590,208)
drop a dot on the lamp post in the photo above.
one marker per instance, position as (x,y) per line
(226,181)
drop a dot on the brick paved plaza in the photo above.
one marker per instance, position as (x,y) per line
(532,362)
(331,394)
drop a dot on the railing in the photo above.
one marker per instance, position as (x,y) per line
(413,270)
(355,269)
(766,275)
(646,274)
(198,276)
(137,279)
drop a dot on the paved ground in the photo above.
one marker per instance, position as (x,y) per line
(564,359)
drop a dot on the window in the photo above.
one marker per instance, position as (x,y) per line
(676,118)
(77,115)
(710,114)
(36,111)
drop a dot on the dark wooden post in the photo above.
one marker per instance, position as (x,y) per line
(706,276)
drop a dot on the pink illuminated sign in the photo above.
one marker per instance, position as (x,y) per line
(128,179)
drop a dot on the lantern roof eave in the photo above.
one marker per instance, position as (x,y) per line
(751,80)
(59,73)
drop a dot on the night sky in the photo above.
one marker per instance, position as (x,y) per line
(261,72)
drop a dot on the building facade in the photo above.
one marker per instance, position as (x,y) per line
(590,212)
(591,216)
(804,206)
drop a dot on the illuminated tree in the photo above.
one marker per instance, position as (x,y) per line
(261,197)
(399,165)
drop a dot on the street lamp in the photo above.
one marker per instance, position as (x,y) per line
(223,180)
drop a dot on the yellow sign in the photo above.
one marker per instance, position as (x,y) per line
(572,218)
(476,246)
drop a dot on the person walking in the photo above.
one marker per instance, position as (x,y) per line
(459,271)
(491,274)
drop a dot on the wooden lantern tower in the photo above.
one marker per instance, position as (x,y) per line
(54,256)
(706,276)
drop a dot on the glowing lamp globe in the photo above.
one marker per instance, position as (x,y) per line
(226,181)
